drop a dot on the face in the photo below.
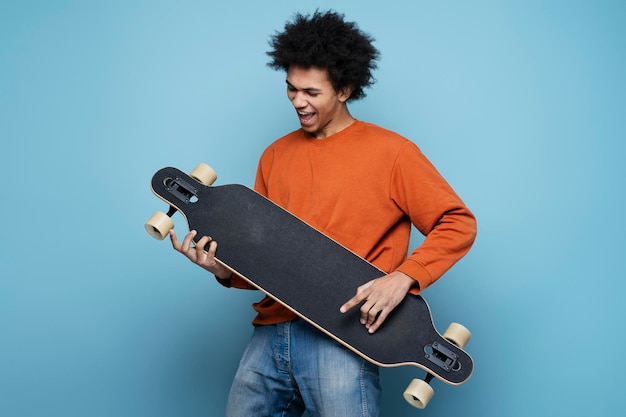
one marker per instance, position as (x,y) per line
(322,111)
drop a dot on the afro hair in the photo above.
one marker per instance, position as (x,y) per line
(325,40)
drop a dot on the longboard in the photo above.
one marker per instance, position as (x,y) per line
(280,255)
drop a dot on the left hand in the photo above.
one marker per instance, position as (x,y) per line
(202,253)
(381,296)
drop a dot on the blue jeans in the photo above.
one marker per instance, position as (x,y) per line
(291,367)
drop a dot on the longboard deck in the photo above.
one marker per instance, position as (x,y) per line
(309,273)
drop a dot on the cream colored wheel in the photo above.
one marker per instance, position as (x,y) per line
(457,334)
(159,225)
(418,393)
(204,174)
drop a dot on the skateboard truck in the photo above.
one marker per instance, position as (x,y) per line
(419,392)
(182,190)
(442,357)
(160,224)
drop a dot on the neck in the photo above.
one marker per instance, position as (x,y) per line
(334,126)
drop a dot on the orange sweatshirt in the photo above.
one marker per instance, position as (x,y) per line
(364,186)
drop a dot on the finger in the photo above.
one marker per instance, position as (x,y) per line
(174,239)
(361,295)
(354,301)
(208,245)
(369,313)
(202,247)
(380,319)
(212,249)
(186,246)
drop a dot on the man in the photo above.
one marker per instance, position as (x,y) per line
(360,184)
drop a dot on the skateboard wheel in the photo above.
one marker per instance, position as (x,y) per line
(457,334)
(418,393)
(159,225)
(204,174)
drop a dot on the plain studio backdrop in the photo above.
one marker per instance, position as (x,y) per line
(520,105)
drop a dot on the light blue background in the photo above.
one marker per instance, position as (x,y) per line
(520,104)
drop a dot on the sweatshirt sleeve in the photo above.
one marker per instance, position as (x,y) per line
(436,211)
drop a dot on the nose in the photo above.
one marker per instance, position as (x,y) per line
(297,99)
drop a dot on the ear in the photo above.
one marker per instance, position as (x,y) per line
(344,94)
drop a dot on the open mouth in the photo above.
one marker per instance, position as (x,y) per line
(305,118)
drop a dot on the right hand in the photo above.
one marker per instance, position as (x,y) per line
(199,256)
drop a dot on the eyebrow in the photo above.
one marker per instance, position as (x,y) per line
(308,89)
